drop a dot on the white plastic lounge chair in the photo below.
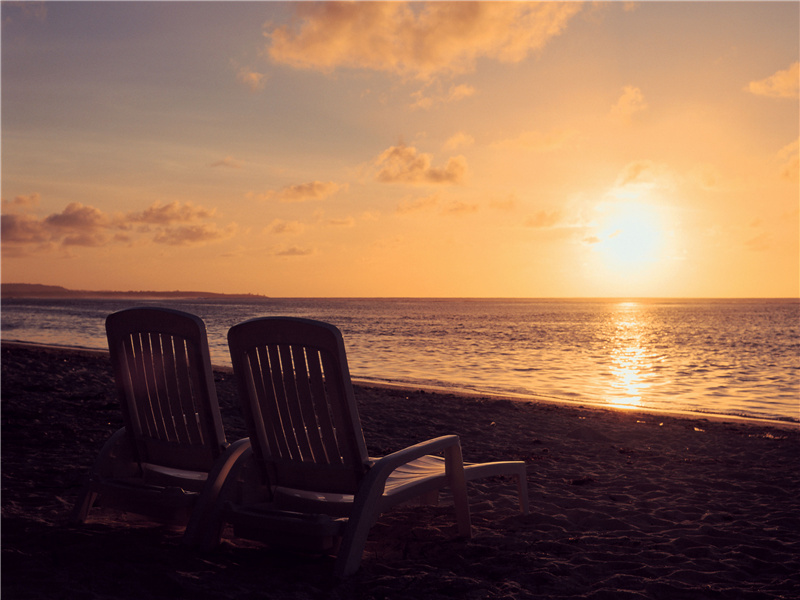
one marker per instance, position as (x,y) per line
(172,445)
(307,481)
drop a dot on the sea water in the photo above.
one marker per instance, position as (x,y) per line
(730,357)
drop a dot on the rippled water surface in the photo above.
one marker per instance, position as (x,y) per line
(717,356)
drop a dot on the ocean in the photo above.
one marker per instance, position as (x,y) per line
(714,357)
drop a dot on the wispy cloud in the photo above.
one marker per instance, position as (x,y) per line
(408,206)
(342,222)
(544,219)
(459,207)
(416,40)
(303,192)
(174,212)
(645,173)
(405,164)
(783,84)
(629,103)
(228,162)
(292,251)
(252,80)
(21,202)
(459,140)
(788,155)
(280,227)
(188,235)
(454,94)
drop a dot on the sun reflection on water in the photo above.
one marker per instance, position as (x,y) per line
(630,362)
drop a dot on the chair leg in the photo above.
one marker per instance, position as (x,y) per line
(206,523)
(83,505)
(522,486)
(348,559)
(454,468)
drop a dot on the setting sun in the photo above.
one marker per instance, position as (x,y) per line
(631,236)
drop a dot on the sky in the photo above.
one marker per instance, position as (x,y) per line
(392,149)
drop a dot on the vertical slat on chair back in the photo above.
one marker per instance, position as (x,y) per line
(166,387)
(299,404)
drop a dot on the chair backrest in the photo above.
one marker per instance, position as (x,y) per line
(298,401)
(166,387)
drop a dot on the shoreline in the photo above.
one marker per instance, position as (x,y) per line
(787,422)
(623,505)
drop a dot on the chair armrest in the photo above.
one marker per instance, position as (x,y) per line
(223,471)
(372,487)
(366,507)
(383,467)
(115,458)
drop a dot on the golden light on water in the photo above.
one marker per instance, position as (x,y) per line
(630,362)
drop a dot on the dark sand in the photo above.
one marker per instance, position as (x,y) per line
(624,505)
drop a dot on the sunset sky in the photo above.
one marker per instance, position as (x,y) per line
(403,149)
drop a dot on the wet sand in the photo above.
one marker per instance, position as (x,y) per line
(623,504)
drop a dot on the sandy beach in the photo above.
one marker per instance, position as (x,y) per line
(623,504)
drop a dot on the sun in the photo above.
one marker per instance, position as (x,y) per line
(630,235)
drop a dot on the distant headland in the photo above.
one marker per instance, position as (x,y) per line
(35,290)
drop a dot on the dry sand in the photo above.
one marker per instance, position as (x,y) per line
(624,504)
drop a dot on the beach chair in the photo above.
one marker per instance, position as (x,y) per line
(172,445)
(307,481)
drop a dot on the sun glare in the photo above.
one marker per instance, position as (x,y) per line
(631,235)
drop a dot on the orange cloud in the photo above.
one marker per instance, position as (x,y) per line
(418,204)
(89,239)
(77,217)
(185,235)
(342,222)
(783,84)
(253,80)
(174,212)
(22,229)
(293,251)
(648,174)
(788,155)
(458,140)
(228,162)
(544,219)
(403,164)
(315,190)
(631,102)
(81,225)
(460,208)
(454,94)
(416,40)
(22,202)
(279,226)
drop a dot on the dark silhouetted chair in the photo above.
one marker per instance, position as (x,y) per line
(172,445)
(307,481)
